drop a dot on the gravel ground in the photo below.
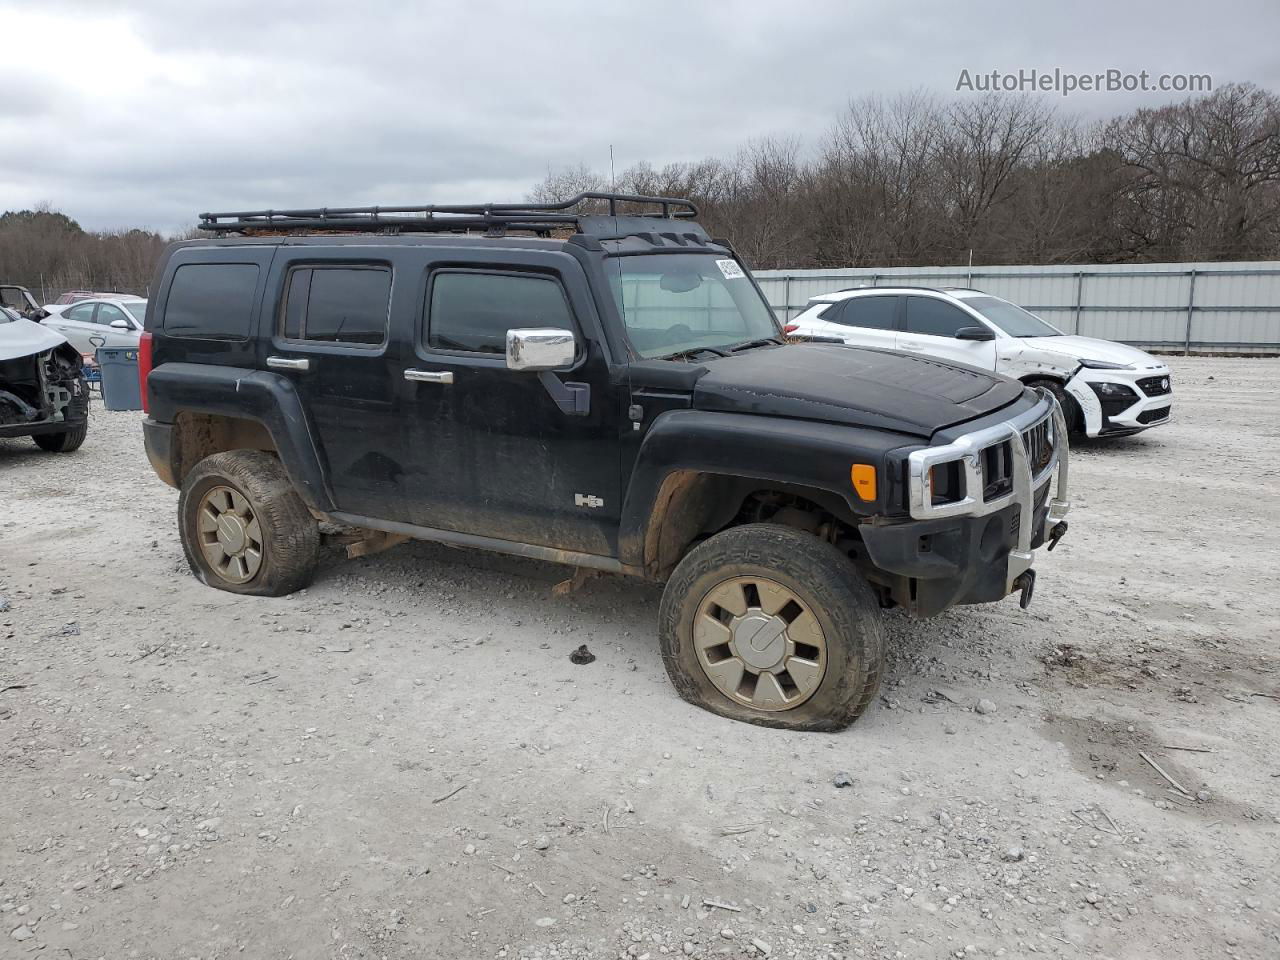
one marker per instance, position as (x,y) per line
(403,762)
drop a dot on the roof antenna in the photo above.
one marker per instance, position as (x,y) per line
(613,176)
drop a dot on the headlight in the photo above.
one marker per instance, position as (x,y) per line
(1104,365)
(1113,390)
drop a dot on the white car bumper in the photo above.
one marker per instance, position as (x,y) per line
(1119,402)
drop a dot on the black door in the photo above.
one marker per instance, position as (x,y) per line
(331,337)
(492,452)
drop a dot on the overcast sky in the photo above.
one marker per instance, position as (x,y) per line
(146,113)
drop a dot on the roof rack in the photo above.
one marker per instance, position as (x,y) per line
(540,218)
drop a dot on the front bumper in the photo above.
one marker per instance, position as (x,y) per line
(977,547)
(1122,402)
(65,407)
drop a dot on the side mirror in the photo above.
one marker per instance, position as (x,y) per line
(119,324)
(974,333)
(540,348)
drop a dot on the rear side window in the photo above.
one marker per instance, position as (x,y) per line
(337,304)
(935,318)
(211,301)
(473,311)
(874,313)
(81,313)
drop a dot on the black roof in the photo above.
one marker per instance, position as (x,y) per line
(592,213)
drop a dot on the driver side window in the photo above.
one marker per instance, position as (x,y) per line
(935,318)
(107,314)
(471,311)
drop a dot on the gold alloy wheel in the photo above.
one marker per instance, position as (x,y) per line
(230,537)
(759,643)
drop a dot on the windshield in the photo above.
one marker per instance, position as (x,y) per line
(680,303)
(138,308)
(7,315)
(1011,318)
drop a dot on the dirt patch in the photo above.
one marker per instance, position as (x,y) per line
(1112,751)
(1214,669)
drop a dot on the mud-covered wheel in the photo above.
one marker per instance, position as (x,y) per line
(770,625)
(1070,408)
(243,526)
(63,442)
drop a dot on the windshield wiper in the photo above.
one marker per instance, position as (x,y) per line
(690,354)
(752,344)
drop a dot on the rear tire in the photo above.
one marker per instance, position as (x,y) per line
(243,526)
(64,442)
(803,599)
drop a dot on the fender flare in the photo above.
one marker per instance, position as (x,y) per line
(268,398)
(748,451)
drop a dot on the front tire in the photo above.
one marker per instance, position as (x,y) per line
(243,526)
(64,442)
(1070,408)
(770,625)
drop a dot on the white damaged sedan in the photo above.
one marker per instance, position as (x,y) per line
(1105,388)
(43,394)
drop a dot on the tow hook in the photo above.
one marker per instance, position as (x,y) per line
(1057,533)
(1026,582)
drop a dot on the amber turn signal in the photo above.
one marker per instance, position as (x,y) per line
(863,476)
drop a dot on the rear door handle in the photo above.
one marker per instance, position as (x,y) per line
(286,363)
(429,376)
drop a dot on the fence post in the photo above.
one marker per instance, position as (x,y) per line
(1079,300)
(1191,306)
(786,299)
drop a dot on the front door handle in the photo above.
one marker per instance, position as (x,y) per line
(429,376)
(286,363)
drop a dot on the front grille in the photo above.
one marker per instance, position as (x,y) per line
(1156,386)
(997,471)
(1041,496)
(1152,416)
(1039,445)
(997,459)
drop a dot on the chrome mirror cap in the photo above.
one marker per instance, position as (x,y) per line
(540,348)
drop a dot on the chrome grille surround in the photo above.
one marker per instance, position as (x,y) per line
(1038,442)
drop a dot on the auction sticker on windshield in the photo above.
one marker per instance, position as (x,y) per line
(730,269)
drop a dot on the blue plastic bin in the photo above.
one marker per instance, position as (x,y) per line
(120,378)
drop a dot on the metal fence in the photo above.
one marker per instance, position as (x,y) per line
(1166,307)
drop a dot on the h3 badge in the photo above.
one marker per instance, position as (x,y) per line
(587,500)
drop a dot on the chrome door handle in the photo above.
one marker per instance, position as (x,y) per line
(429,376)
(285,363)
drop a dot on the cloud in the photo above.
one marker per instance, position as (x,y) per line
(148,113)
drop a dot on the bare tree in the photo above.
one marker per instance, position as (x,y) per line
(1203,176)
(983,145)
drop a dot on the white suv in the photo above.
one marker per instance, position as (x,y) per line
(1105,388)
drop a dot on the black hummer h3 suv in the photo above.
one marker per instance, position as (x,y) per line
(605,390)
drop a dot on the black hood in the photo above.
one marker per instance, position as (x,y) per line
(858,386)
